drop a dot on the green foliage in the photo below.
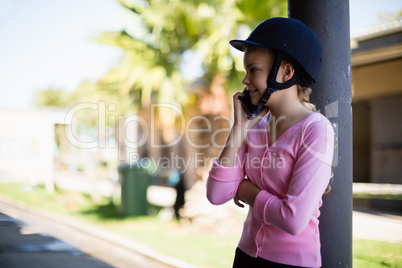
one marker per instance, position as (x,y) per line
(165,30)
(61,202)
(391,16)
(52,97)
(378,196)
(154,47)
(376,254)
(162,32)
(87,93)
(254,11)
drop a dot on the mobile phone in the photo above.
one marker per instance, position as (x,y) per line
(248,107)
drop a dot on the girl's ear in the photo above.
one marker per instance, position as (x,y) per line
(288,71)
(285,73)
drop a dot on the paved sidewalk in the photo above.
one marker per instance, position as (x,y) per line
(374,225)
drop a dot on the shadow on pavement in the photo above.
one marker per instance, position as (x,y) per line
(23,247)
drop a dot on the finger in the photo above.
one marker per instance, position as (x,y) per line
(237,202)
(240,116)
(236,97)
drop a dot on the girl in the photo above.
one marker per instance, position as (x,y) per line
(278,160)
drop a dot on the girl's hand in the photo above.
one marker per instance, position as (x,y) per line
(238,133)
(247,191)
(237,199)
(240,116)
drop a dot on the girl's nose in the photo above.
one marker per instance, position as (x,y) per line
(245,80)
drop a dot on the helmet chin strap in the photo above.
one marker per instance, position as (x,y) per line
(273,85)
(264,100)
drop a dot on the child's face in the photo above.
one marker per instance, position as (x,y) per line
(257,64)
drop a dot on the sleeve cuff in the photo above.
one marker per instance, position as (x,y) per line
(223,173)
(260,204)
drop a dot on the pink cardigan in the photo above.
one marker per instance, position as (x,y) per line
(292,173)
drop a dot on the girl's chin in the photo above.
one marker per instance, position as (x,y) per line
(255,102)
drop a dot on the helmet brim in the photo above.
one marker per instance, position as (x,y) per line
(243,44)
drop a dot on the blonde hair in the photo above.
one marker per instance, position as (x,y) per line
(304,97)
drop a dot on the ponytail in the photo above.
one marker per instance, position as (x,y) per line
(304,97)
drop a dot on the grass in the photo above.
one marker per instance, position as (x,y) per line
(378,196)
(201,247)
(376,254)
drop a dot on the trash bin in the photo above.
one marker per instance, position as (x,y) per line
(134,183)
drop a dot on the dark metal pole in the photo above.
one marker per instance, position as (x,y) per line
(333,96)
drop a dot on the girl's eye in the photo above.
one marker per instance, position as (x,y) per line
(253,70)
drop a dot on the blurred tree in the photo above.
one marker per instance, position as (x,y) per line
(166,30)
(52,97)
(165,40)
(169,37)
(86,92)
(390,17)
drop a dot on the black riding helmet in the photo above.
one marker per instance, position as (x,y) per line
(292,40)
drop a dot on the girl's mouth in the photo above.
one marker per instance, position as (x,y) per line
(252,91)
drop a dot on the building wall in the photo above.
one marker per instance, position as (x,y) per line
(386,140)
(377,80)
(361,141)
(377,111)
(377,122)
(27,145)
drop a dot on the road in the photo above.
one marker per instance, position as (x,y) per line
(29,239)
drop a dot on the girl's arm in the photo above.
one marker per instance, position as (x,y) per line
(247,192)
(227,173)
(238,133)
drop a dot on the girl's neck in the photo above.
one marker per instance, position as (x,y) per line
(289,108)
(285,103)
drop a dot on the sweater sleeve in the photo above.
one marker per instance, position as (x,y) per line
(311,174)
(223,182)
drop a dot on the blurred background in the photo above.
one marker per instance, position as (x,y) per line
(115,109)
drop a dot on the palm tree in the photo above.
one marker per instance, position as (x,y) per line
(167,29)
